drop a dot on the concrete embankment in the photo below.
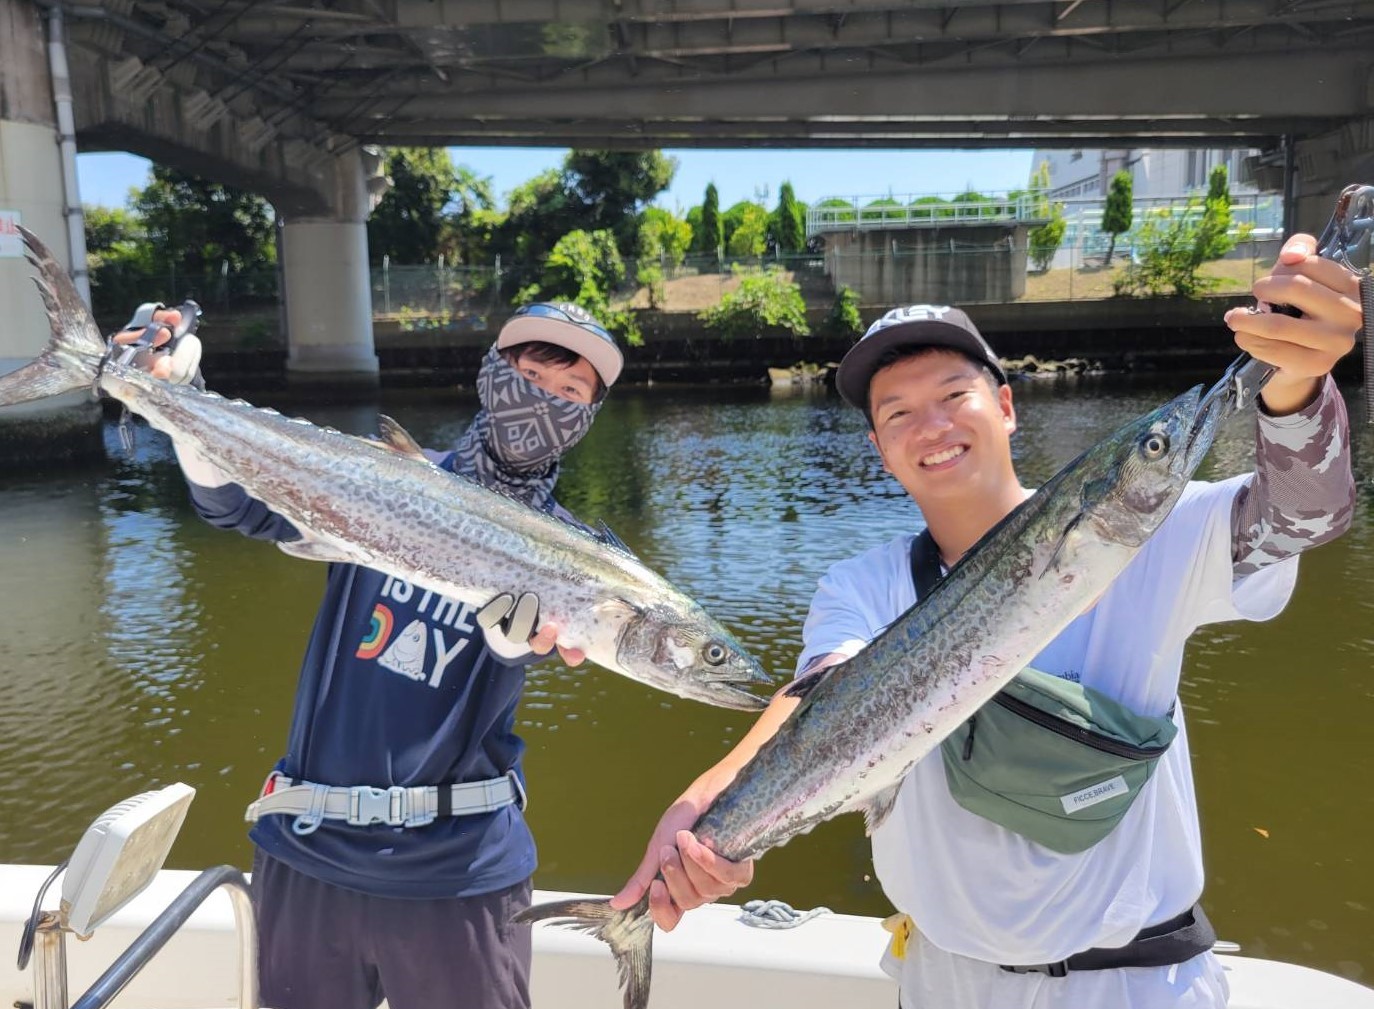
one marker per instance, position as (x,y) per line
(1119,334)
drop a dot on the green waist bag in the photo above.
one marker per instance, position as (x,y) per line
(1055,761)
(1052,760)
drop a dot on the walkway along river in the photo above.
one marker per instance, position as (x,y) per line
(144,647)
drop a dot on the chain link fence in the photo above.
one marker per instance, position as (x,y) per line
(439,296)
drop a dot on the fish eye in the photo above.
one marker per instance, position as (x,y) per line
(714,653)
(1154,445)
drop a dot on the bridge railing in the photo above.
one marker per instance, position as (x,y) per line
(858,213)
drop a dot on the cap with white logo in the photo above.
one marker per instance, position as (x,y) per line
(911,326)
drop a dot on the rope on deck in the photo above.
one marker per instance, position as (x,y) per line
(776,914)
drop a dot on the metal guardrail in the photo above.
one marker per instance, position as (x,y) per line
(50,955)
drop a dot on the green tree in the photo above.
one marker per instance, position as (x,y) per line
(585,268)
(1045,240)
(1215,238)
(765,300)
(193,226)
(408,223)
(746,230)
(694,221)
(611,187)
(107,228)
(712,228)
(594,191)
(471,219)
(662,234)
(844,318)
(789,224)
(119,260)
(1117,213)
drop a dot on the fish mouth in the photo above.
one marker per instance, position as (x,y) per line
(1207,412)
(724,695)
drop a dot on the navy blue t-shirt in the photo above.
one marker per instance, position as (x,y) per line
(397,688)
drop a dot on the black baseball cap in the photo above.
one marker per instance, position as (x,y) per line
(911,326)
(566,325)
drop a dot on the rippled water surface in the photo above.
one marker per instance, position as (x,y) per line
(143,647)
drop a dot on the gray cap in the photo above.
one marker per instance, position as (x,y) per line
(911,326)
(566,325)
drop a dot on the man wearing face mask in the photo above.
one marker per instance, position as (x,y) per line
(392,851)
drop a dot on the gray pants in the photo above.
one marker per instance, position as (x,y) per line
(324,947)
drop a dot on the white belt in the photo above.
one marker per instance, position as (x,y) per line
(397,806)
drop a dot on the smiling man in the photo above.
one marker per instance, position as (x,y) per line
(1016,890)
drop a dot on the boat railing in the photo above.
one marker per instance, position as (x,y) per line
(50,958)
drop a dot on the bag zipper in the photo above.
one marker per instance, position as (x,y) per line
(1079,735)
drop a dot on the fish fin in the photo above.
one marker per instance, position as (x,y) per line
(629,933)
(1063,538)
(316,550)
(76,348)
(876,809)
(398,439)
(604,533)
(616,609)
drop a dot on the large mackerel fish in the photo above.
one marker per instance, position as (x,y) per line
(861,725)
(381,504)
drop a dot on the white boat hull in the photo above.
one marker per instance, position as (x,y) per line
(712,959)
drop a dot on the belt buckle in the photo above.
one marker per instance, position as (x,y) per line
(368,805)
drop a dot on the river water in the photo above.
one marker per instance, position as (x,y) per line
(143,647)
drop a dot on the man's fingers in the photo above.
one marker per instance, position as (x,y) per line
(661,907)
(1318,299)
(711,874)
(572,656)
(1326,272)
(1290,357)
(170,316)
(638,883)
(543,642)
(683,892)
(1315,334)
(1297,247)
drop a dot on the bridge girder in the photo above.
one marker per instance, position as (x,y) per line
(718,73)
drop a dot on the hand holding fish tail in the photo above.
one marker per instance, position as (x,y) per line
(678,871)
(1306,347)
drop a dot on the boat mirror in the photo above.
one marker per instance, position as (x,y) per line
(119,855)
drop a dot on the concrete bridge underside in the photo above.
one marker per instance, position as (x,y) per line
(285,97)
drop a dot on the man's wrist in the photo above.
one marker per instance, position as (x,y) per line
(1283,395)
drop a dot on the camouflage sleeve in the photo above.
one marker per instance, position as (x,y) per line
(1302,493)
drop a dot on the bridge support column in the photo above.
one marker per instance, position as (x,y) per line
(31,193)
(1326,165)
(329,290)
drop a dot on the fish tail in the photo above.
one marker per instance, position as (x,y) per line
(73,356)
(629,933)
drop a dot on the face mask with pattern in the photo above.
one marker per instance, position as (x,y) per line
(517,438)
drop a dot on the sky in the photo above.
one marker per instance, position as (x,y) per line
(106,179)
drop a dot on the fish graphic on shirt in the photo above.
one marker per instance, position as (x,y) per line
(406,655)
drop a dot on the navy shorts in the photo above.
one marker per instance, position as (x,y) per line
(324,947)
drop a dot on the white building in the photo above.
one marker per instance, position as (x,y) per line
(1166,172)
(1080,180)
